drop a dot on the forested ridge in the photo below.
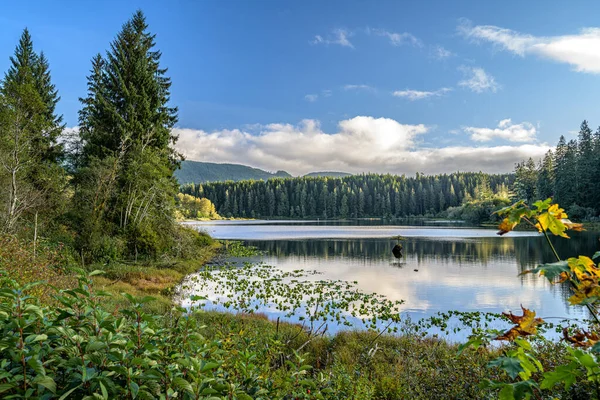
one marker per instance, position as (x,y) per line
(200,172)
(356,196)
(570,174)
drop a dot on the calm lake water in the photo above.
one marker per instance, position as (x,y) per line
(445,267)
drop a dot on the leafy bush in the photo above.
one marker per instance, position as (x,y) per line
(80,350)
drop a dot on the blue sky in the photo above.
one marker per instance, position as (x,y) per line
(430,86)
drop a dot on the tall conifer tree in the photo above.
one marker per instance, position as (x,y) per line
(126,128)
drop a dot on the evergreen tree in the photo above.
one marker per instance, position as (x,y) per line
(526,180)
(126,129)
(585,164)
(33,179)
(545,178)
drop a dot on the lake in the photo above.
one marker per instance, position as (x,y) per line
(445,266)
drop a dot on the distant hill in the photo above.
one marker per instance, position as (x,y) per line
(328,174)
(202,172)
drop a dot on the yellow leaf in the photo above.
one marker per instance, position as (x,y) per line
(506,226)
(585,289)
(551,220)
(526,325)
(584,268)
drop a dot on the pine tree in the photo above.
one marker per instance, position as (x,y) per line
(545,178)
(585,164)
(30,153)
(126,127)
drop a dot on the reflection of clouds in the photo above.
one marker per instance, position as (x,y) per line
(465,274)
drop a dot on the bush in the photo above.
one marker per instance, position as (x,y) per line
(20,264)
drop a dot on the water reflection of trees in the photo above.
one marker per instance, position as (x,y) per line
(524,252)
(528,252)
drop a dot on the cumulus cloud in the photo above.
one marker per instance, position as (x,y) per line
(413,95)
(360,144)
(338,37)
(311,97)
(579,50)
(523,132)
(440,53)
(397,39)
(477,80)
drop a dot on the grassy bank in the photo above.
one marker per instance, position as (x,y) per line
(154,278)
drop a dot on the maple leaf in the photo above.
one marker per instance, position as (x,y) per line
(581,338)
(584,268)
(552,220)
(506,226)
(585,292)
(552,271)
(525,325)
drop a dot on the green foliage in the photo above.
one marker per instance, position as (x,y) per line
(528,375)
(31,180)
(202,172)
(573,167)
(236,248)
(354,196)
(124,185)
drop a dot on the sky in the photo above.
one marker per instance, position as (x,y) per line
(355,86)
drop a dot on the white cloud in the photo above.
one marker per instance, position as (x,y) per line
(338,36)
(311,97)
(413,95)
(397,39)
(360,144)
(579,50)
(523,132)
(440,53)
(326,93)
(359,87)
(477,80)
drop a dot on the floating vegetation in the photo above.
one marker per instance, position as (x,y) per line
(298,294)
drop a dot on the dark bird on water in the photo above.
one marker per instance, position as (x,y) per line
(397,251)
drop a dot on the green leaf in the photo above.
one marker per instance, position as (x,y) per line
(94,346)
(6,386)
(208,366)
(507,393)
(35,338)
(182,384)
(551,270)
(566,374)
(104,391)
(46,382)
(587,360)
(511,365)
(37,366)
(596,255)
(96,272)
(64,396)
(134,387)
(522,390)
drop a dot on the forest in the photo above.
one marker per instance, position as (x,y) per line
(356,196)
(570,175)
